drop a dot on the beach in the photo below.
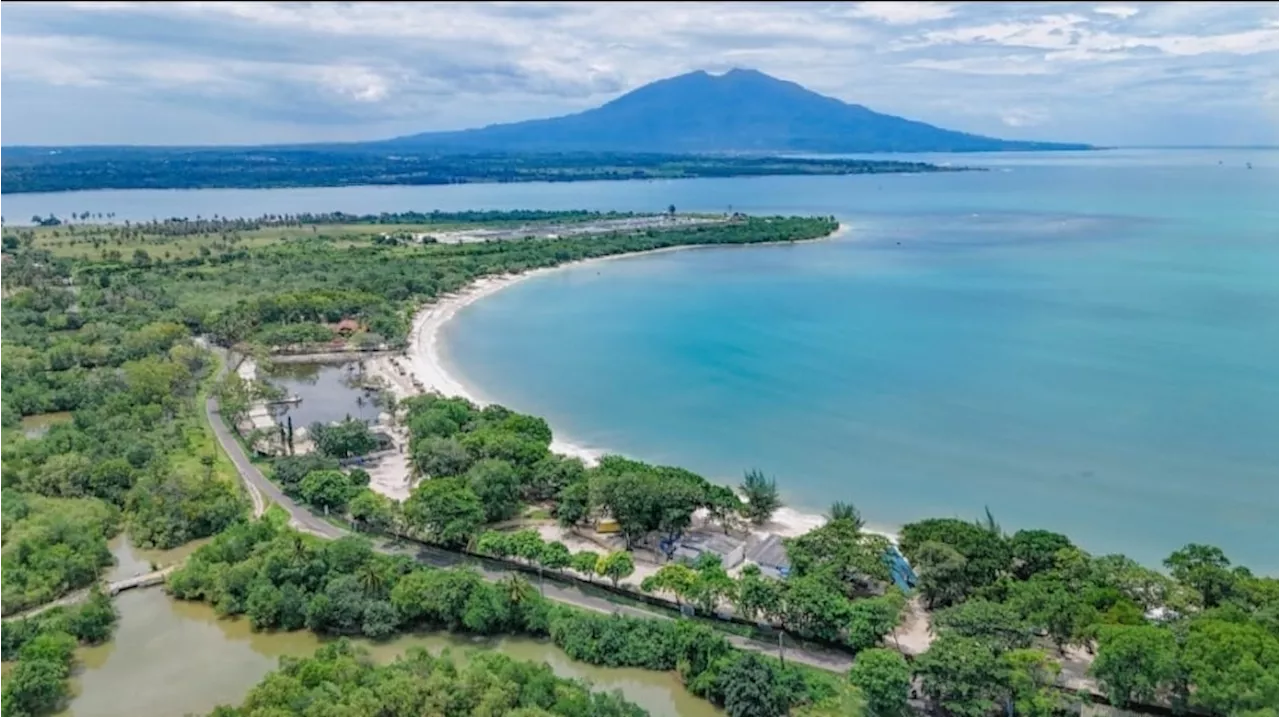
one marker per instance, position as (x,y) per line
(422,369)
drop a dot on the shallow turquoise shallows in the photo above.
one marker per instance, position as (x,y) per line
(1083,342)
(1089,348)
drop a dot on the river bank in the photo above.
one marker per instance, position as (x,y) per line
(160,643)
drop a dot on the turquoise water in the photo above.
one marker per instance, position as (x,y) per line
(1081,342)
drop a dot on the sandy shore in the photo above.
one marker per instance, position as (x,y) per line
(423,364)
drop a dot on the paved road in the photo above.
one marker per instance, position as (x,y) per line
(304,519)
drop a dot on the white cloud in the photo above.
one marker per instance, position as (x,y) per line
(902,13)
(349,70)
(1123,12)
(1023,117)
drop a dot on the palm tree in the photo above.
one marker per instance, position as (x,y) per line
(988,522)
(370,578)
(841,510)
(517,588)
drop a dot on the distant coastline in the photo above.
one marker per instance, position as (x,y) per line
(29,170)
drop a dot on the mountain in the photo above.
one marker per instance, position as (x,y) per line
(739,111)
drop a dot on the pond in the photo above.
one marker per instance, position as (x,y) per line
(171,657)
(329,392)
(39,424)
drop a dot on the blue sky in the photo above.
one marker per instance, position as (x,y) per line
(257,72)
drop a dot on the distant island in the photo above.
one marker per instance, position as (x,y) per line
(27,170)
(694,125)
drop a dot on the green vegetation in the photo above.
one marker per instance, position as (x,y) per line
(281,579)
(341,679)
(258,168)
(52,546)
(43,648)
(126,368)
(1213,646)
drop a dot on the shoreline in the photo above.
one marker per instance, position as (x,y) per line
(422,363)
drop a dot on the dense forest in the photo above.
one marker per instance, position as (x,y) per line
(134,441)
(72,168)
(280,579)
(341,679)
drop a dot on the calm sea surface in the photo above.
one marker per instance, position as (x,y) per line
(1083,342)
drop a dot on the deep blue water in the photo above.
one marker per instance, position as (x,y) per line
(1081,342)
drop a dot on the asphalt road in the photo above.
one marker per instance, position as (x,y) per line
(304,519)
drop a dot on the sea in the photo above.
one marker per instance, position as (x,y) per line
(1082,342)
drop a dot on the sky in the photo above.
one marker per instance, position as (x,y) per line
(261,72)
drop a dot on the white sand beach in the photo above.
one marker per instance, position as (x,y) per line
(421,369)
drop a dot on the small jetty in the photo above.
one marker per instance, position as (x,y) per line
(286,401)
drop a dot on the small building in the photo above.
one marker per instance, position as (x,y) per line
(347,326)
(770,554)
(691,546)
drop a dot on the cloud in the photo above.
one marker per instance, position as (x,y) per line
(284,71)
(1120,11)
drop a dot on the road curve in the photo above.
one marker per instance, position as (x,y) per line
(305,520)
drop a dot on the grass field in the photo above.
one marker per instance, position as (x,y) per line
(116,242)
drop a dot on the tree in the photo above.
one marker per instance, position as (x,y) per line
(329,490)
(839,550)
(762,496)
(585,562)
(884,680)
(757,597)
(616,566)
(985,551)
(1033,683)
(675,578)
(711,583)
(961,676)
(814,607)
(1035,551)
(371,509)
(724,506)
(527,545)
(497,484)
(1205,569)
(752,688)
(1135,662)
(943,575)
(1231,665)
(440,457)
(555,556)
(345,439)
(997,624)
(34,687)
(841,510)
(870,619)
(446,509)
(1052,604)
(495,543)
(573,504)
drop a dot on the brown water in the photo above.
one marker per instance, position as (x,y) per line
(171,657)
(39,424)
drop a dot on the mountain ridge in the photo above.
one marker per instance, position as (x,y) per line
(742,110)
